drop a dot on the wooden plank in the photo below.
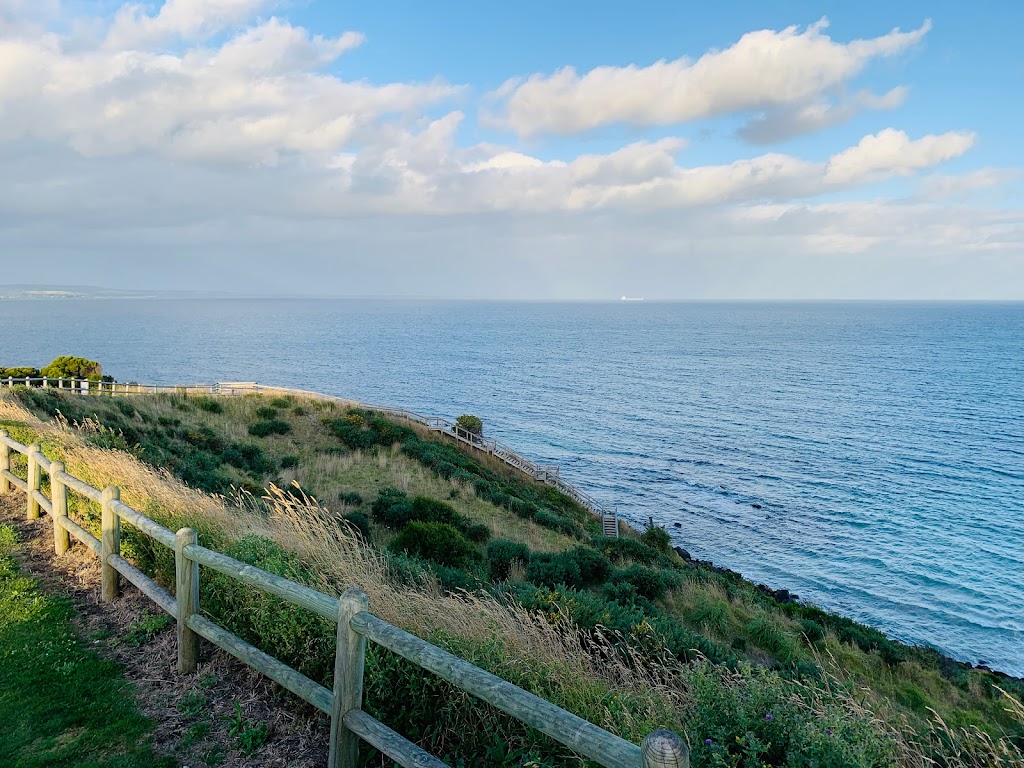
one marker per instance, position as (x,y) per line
(146,585)
(13,444)
(79,486)
(43,462)
(14,480)
(392,744)
(576,733)
(298,594)
(280,673)
(32,484)
(5,462)
(349,660)
(43,502)
(79,533)
(186,590)
(143,523)
(59,492)
(110,544)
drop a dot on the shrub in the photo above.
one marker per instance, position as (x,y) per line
(501,554)
(657,538)
(710,611)
(812,630)
(437,542)
(266,413)
(351,435)
(69,367)
(265,428)
(208,404)
(554,570)
(392,508)
(289,462)
(477,532)
(648,582)
(594,567)
(472,424)
(360,521)
(428,510)
(352,498)
(623,549)
(282,402)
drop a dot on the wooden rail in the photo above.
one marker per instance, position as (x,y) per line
(356,626)
(545,473)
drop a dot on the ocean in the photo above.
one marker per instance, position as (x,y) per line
(867,456)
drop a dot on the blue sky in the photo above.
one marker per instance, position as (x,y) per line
(531,150)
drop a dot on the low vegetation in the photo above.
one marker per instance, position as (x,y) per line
(60,704)
(515,577)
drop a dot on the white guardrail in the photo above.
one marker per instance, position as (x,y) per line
(545,473)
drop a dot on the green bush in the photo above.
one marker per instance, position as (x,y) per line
(477,532)
(427,510)
(266,413)
(360,521)
(282,402)
(554,570)
(289,462)
(472,424)
(812,630)
(69,367)
(265,428)
(392,507)
(594,567)
(657,538)
(208,404)
(769,633)
(648,582)
(352,498)
(501,554)
(437,542)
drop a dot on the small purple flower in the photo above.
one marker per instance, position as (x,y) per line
(769,716)
(828,731)
(708,742)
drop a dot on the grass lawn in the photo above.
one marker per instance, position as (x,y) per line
(60,704)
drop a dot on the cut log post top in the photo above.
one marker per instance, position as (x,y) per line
(664,749)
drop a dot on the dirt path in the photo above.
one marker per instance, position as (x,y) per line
(224,715)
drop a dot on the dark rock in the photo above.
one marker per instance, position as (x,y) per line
(756,506)
(783,595)
(683,554)
(677,525)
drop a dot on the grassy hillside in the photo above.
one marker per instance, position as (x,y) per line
(515,577)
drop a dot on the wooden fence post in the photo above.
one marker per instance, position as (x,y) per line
(348,680)
(186,592)
(59,499)
(664,749)
(32,506)
(110,544)
(5,462)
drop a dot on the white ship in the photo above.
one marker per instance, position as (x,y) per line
(632,298)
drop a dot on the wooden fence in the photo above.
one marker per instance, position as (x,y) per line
(545,473)
(356,625)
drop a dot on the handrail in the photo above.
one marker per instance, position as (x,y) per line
(661,749)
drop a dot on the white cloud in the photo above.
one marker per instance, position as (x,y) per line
(892,152)
(763,70)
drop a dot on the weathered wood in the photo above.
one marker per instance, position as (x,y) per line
(575,732)
(43,502)
(11,443)
(145,585)
(144,524)
(280,673)
(186,590)
(78,486)
(80,533)
(59,494)
(298,594)
(390,743)
(110,544)
(664,749)
(14,480)
(5,462)
(349,660)
(42,461)
(32,506)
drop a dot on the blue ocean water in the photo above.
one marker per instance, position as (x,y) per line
(882,443)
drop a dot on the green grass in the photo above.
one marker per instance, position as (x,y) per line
(60,704)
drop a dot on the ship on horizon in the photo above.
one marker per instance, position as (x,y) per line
(632,298)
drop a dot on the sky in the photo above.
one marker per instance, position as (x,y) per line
(530,150)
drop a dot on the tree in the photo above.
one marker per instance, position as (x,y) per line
(471,424)
(68,367)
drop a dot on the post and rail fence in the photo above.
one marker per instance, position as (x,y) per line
(544,473)
(349,723)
